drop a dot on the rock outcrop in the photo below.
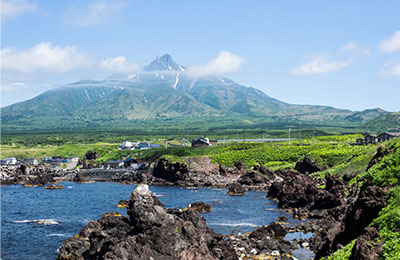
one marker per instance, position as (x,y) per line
(306,165)
(235,189)
(349,222)
(150,232)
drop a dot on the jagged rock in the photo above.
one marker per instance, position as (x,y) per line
(274,230)
(253,177)
(306,166)
(381,151)
(356,217)
(240,166)
(168,171)
(151,232)
(298,190)
(236,189)
(367,246)
(200,206)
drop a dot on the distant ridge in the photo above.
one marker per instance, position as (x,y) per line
(163,90)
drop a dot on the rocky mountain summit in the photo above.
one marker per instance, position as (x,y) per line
(164,89)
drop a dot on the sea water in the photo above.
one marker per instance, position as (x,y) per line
(35,222)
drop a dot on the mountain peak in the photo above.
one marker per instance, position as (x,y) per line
(164,62)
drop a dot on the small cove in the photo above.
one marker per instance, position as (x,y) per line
(35,221)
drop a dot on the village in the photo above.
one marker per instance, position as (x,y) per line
(87,162)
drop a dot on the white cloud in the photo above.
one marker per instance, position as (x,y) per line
(391,44)
(13,8)
(43,57)
(224,63)
(93,14)
(320,65)
(354,48)
(393,69)
(119,64)
(350,46)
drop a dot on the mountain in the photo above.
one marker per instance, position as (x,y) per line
(365,115)
(163,90)
(385,122)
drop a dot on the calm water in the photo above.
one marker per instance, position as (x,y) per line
(67,211)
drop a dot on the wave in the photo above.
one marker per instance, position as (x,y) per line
(56,235)
(38,221)
(238,224)
(159,195)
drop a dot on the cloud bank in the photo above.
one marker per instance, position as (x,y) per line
(224,63)
(391,44)
(320,64)
(44,57)
(13,8)
(96,13)
(119,64)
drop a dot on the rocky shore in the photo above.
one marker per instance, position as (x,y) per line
(338,213)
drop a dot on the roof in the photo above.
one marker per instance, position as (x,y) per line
(200,139)
(109,162)
(392,134)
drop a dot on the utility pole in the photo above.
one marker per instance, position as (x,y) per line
(300,136)
(188,137)
(289,134)
(313,137)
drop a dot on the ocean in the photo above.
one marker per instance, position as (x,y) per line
(35,222)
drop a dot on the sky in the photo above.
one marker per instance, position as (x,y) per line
(344,54)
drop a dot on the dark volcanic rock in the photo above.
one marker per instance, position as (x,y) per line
(171,172)
(306,165)
(240,166)
(356,217)
(236,189)
(152,232)
(301,191)
(253,177)
(200,206)
(367,246)
(275,230)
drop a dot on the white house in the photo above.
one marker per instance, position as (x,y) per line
(11,160)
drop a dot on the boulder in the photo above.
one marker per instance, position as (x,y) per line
(172,172)
(151,232)
(200,206)
(253,177)
(367,246)
(235,189)
(306,166)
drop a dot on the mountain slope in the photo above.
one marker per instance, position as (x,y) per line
(163,90)
(385,122)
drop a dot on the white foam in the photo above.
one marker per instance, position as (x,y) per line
(238,224)
(38,221)
(56,235)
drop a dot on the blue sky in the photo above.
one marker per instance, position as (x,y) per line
(344,54)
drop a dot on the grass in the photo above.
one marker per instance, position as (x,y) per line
(40,151)
(386,173)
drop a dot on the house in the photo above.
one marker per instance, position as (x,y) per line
(214,142)
(31,161)
(128,145)
(143,145)
(72,159)
(11,161)
(200,142)
(370,139)
(155,146)
(114,164)
(387,136)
